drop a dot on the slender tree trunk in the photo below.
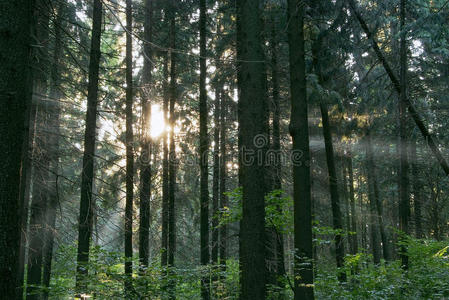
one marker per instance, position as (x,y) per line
(253,129)
(87,203)
(129,137)
(216,177)
(145,158)
(375,240)
(346,199)
(337,220)
(204,156)
(223,198)
(354,239)
(404,197)
(55,111)
(165,163)
(417,196)
(172,154)
(303,261)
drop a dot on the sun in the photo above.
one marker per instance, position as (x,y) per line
(157,124)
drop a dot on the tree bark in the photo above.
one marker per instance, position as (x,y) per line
(204,157)
(223,198)
(354,239)
(303,261)
(216,178)
(87,202)
(417,186)
(145,158)
(374,226)
(253,122)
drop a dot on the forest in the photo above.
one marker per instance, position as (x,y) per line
(224,149)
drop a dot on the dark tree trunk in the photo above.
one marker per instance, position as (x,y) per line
(204,156)
(337,220)
(172,153)
(253,117)
(145,158)
(354,240)
(417,196)
(303,270)
(380,216)
(87,202)
(374,226)
(216,177)
(165,163)
(54,112)
(278,238)
(129,138)
(223,198)
(40,153)
(404,197)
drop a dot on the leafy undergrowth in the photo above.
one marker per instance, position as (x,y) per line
(427,277)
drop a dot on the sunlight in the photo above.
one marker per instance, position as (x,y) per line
(157,121)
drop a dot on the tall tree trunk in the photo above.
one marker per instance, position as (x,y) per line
(165,163)
(404,197)
(87,202)
(216,177)
(40,153)
(417,196)
(337,220)
(252,109)
(145,158)
(303,261)
(278,238)
(55,111)
(204,156)
(129,138)
(172,153)
(354,240)
(223,161)
(374,226)
(15,95)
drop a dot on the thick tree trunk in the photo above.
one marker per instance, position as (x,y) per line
(204,156)
(374,226)
(145,157)
(253,117)
(303,270)
(15,95)
(87,202)
(129,138)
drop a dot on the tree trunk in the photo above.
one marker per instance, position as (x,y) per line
(303,271)
(354,240)
(172,153)
(216,177)
(337,220)
(375,240)
(165,163)
(129,137)
(380,216)
(204,156)
(252,109)
(404,197)
(145,158)
(87,202)
(417,196)
(223,161)
(55,111)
